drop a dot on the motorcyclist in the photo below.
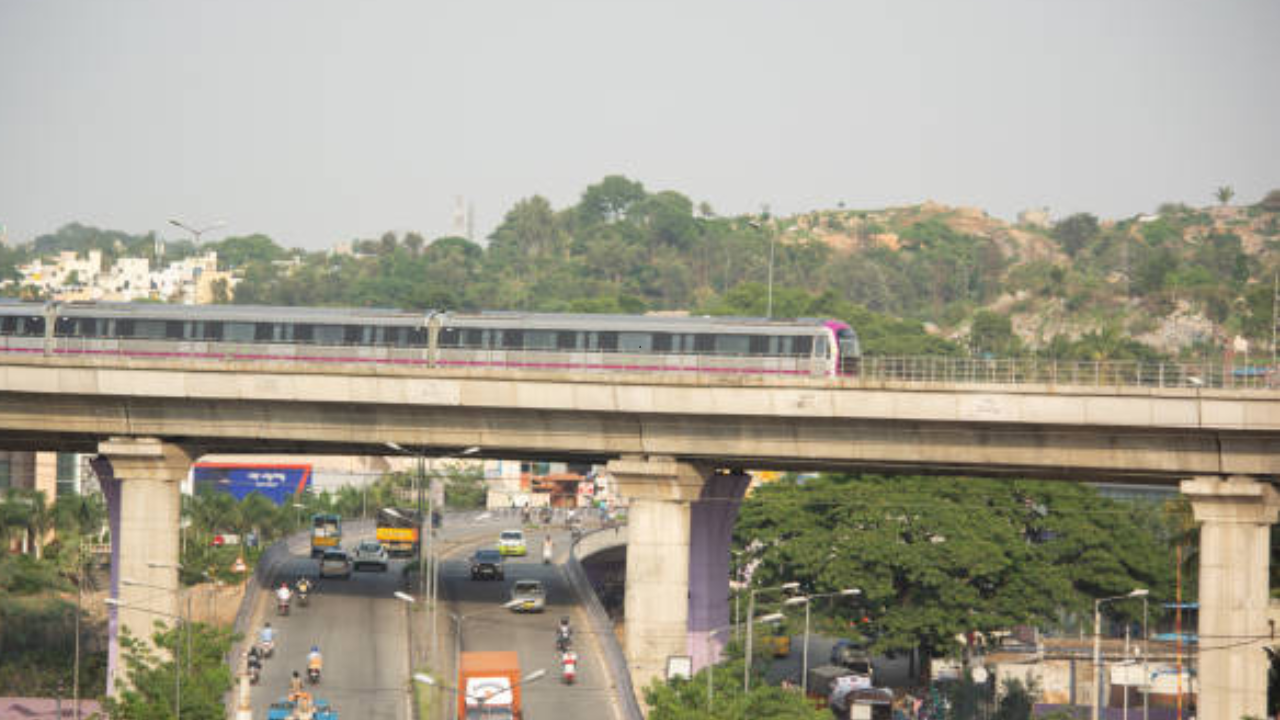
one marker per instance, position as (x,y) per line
(295,686)
(283,594)
(547,548)
(314,659)
(254,661)
(267,634)
(564,634)
(303,585)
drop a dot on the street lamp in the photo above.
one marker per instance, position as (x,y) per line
(1097,644)
(195,231)
(177,666)
(807,601)
(760,226)
(428,585)
(751,613)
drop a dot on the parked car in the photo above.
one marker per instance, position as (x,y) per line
(370,554)
(527,596)
(511,542)
(487,564)
(335,563)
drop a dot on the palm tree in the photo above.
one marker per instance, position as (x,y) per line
(39,520)
(1224,194)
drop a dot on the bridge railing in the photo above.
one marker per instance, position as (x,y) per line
(1029,371)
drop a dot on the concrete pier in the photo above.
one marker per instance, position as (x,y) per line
(662,492)
(1235,516)
(144,502)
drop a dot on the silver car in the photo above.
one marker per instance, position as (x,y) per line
(527,596)
(335,563)
(371,555)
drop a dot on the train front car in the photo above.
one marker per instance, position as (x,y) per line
(849,350)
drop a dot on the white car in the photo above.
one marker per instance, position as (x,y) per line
(511,542)
(370,555)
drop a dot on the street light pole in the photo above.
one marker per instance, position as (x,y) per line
(197,232)
(1146,651)
(1097,646)
(751,620)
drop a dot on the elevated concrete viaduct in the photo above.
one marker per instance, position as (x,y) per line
(666,438)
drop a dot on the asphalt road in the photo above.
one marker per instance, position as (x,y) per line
(360,628)
(488,626)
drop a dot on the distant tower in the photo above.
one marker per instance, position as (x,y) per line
(461,225)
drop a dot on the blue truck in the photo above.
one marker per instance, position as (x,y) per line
(304,708)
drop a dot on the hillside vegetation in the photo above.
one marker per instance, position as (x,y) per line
(922,279)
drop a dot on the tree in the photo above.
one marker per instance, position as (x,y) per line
(992,334)
(1224,194)
(938,557)
(609,200)
(687,699)
(150,668)
(1075,231)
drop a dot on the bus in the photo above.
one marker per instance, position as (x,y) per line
(398,530)
(326,533)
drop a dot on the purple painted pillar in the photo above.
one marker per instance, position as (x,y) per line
(712,517)
(111,492)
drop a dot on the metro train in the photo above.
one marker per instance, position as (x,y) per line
(517,340)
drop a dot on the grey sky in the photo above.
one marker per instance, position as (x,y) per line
(316,122)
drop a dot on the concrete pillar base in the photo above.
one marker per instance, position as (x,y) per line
(141,479)
(1236,515)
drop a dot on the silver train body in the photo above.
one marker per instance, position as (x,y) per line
(515,340)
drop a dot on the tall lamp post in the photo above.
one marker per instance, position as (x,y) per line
(427,572)
(196,232)
(1097,645)
(807,601)
(751,614)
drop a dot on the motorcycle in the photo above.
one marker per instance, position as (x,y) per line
(313,675)
(282,607)
(266,647)
(569,668)
(546,554)
(302,598)
(563,643)
(255,672)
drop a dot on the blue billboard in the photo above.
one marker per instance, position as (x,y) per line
(278,483)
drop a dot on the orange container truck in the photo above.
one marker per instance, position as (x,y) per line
(489,685)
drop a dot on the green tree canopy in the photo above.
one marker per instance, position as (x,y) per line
(938,557)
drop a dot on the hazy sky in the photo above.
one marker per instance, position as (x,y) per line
(316,122)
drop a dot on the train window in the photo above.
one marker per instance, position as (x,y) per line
(149,329)
(662,342)
(608,341)
(759,345)
(704,343)
(635,342)
(509,339)
(449,337)
(686,343)
(238,332)
(358,335)
(732,344)
(820,346)
(264,332)
(121,329)
(473,338)
(173,329)
(539,339)
(212,330)
(568,340)
(63,327)
(802,345)
(303,332)
(415,337)
(328,335)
